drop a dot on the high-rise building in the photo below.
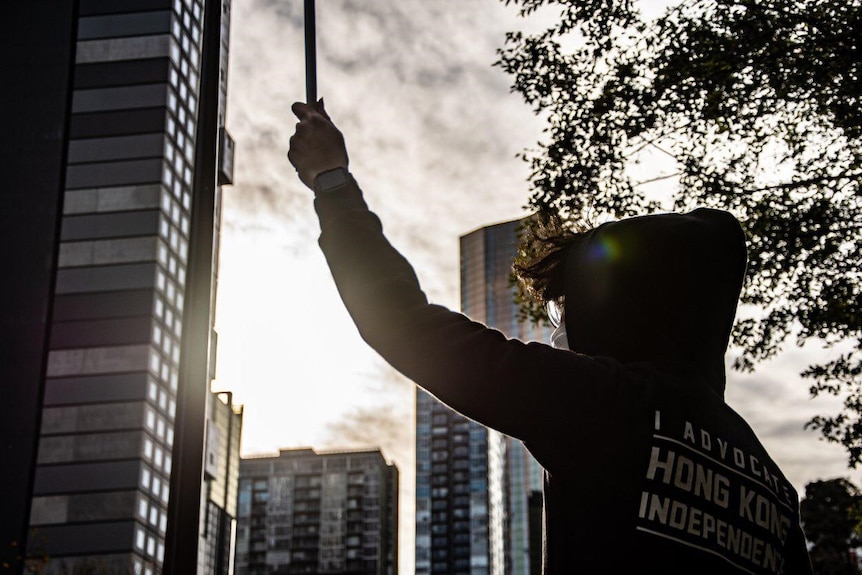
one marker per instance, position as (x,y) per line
(307,512)
(452,497)
(104,153)
(487,292)
(221,485)
(475,487)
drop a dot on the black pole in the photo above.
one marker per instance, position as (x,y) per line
(184,505)
(310,54)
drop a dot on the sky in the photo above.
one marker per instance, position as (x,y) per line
(433,132)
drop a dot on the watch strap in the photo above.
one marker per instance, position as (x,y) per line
(331,180)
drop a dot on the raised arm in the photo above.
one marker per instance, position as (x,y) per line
(514,387)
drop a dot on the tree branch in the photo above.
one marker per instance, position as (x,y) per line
(656,179)
(805,183)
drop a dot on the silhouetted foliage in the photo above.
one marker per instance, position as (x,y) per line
(30,558)
(831,515)
(752,106)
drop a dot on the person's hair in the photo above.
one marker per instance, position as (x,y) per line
(541,263)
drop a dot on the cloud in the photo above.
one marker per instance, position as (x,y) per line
(387,427)
(426,117)
(774,400)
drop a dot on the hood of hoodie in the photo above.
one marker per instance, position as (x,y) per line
(661,289)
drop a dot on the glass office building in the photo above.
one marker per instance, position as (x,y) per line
(452,503)
(474,485)
(107,97)
(307,512)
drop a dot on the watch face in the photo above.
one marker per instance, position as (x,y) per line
(331,179)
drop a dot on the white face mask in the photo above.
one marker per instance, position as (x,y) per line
(559,340)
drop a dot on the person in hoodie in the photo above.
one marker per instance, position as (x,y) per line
(646,468)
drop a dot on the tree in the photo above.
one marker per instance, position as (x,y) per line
(752,106)
(830,514)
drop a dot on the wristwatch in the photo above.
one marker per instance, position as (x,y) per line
(331,180)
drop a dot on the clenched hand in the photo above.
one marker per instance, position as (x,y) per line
(317,145)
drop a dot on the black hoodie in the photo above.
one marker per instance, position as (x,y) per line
(647,470)
(661,289)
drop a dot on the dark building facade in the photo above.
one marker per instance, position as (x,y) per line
(307,512)
(102,116)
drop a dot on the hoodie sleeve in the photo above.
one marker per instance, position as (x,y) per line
(504,384)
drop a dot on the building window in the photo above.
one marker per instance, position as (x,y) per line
(148,448)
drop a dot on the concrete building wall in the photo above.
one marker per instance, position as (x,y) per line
(221,481)
(304,512)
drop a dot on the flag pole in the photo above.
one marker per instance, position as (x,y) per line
(310,54)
